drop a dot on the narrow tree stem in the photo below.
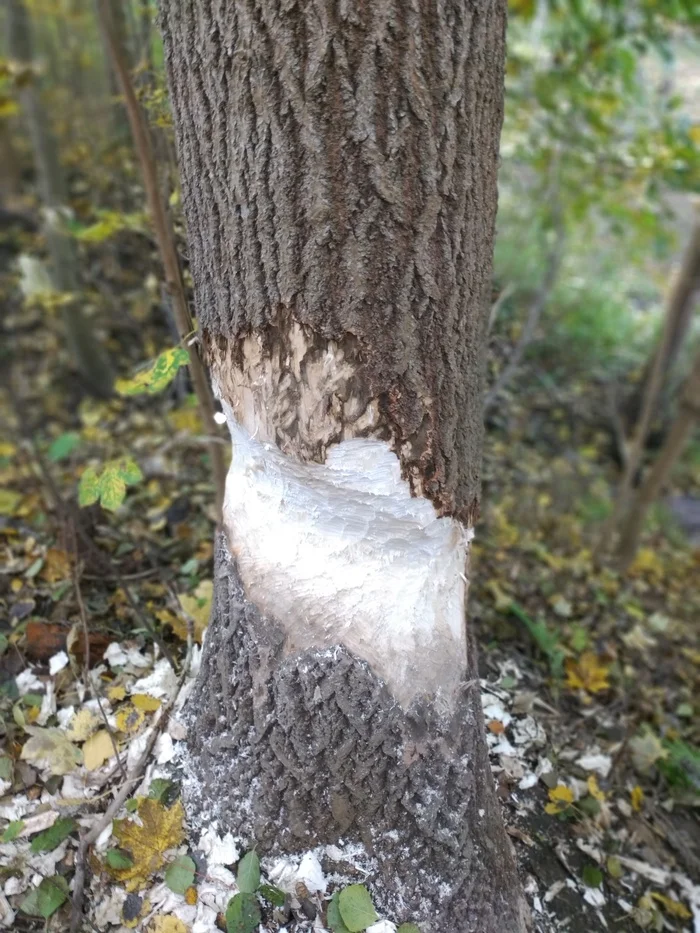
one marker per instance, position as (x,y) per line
(678,299)
(689,412)
(167,248)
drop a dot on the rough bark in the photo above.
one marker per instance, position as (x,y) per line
(338,168)
(296,752)
(339,182)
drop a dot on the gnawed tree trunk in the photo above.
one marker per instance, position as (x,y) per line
(339,183)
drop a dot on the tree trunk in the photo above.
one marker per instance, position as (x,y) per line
(89,357)
(678,307)
(660,472)
(680,311)
(339,184)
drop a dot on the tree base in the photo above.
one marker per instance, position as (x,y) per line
(295,751)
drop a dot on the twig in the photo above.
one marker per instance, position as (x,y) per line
(618,427)
(86,666)
(541,298)
(498,304)
(91,837)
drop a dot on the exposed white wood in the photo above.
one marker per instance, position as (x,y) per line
(340,554)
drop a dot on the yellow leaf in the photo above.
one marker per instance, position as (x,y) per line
(116,694)
(593,789)
(56,565)
(164,924)
(647,563)
(129,719)
(561,797)
(97,750)
(145,702)
(82,725)
(588,673)
(159,829)
(198,607)
(637,798)
(675,908)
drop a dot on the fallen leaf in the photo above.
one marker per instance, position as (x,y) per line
(646,750)
(56,566)
(561,798)
(159,830)
(637,798)
(82,725)
(674,908)
(166,924)
(198,607)
(145,702)
(45,899)
(593,789)
(50,749)
(588,673)
(129,719)
(97,749)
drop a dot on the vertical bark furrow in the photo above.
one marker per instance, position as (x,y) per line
(335,757)
(343,145)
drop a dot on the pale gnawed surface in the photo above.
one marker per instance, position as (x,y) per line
(340,553)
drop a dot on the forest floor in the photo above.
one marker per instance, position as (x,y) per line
(590,678)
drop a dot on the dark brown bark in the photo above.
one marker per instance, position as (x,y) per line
(339,183)
(339,170)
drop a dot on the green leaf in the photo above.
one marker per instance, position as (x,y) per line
(13,830)
(356,908)
(248,874)
(179,875)
(6,767)
(63,446)
(112,488)
(592,876)
(129,471)
(47,898)
(272,894)
(242,914)
(408,928)
(89,487)
(161,789)
(159,375)
(53,836)
(119,859)
(333,916)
